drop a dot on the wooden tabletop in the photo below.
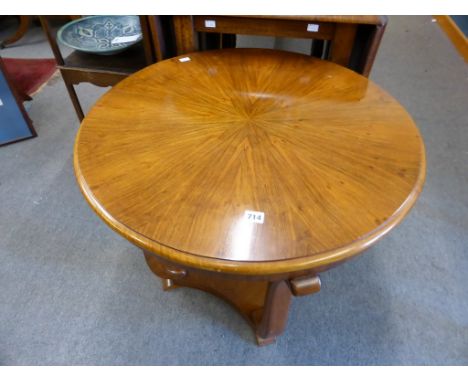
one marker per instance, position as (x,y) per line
(175,156)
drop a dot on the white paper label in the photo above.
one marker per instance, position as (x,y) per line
(254,216)
(210,24)
(123,39)
(184,59)
(312,27)
(1,102)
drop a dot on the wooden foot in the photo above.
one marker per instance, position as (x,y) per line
(168,284)
(275,312)
(263,303)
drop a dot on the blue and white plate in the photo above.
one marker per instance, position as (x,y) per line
(101,34)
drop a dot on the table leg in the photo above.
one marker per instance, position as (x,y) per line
(274,315)
(263,303)
(24,22)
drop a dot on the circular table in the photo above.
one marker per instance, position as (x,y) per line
(246,172)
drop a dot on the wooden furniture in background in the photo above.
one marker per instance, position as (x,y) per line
(99,70)
(246,172)
(455,34)
(23,25)
(161,31)
(351,41)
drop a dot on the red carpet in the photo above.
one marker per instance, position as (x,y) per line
(29,74)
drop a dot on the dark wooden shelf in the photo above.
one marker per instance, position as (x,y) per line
(99,70)
(127,62)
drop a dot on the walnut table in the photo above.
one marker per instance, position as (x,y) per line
(246,172)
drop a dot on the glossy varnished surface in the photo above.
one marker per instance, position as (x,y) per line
(174,155)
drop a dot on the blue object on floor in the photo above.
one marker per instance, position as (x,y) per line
(13,125)
(462,23)
(104,35)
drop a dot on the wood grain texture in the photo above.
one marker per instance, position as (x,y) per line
(173,156)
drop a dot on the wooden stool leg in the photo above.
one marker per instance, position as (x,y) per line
(275,312)
(24,22)
(75,101)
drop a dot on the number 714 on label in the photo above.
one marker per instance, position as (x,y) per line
(254,216)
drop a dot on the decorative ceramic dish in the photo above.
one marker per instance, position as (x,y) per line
(101,34)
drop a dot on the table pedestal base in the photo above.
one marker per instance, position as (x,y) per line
(263,303)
